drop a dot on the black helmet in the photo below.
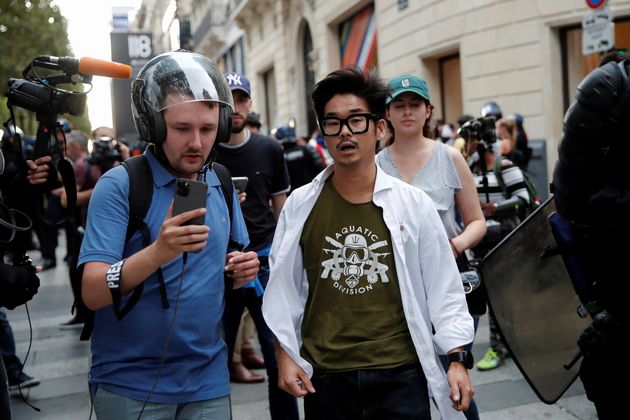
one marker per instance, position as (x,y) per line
(284,133)
(491,109)
(191,77)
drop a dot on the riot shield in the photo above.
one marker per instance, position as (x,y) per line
(535,305)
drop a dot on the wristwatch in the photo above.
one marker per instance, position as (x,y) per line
(464,357)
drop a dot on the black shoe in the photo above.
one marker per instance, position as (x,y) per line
(72,323)
(48,263)
(22,380)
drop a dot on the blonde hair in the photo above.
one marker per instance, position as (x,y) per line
(510,125)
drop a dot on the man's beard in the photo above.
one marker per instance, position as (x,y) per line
(238,128)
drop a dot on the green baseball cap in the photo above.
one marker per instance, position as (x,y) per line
(408,83)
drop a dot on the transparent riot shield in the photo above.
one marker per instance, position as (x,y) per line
(535,305)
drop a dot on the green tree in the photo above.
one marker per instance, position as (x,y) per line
(29,28)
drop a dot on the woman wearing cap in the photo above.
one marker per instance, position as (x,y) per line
(439,170)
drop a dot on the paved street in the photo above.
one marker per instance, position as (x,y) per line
(61,361)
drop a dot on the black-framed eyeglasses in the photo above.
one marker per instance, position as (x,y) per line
(356,123)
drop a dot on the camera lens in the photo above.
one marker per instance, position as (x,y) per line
(183,188)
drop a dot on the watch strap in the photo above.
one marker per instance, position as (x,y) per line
(464,357)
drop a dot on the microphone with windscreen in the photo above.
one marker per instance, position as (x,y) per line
(89,66)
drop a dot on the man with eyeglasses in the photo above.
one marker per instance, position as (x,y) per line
(364,291)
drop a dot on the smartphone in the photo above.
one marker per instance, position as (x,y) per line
(190,195)
(240,183)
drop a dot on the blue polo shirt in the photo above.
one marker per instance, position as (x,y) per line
(126,354)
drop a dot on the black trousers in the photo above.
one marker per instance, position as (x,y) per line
(369,394)
(5,401)
(282,405)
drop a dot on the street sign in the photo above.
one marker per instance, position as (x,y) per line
(596,4)
(135,49)
(598,31)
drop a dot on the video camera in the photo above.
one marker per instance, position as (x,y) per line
(37,96)
(104,152)
(40,93)
(482,129)
(18,283)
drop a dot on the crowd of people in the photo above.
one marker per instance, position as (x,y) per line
(344,253)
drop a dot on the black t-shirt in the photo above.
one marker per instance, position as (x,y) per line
(261,159)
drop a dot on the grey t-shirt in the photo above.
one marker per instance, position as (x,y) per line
(438,178)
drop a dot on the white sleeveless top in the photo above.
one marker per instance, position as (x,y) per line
(438,178)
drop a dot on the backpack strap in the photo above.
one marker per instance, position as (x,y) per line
(228,194)
(227,186)
(140,197)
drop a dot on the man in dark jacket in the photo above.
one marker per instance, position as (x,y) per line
(303,162)
(591,185)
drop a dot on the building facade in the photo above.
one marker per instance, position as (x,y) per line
(526,55)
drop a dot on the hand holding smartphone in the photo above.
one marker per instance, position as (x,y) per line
(240,183)
(190,195)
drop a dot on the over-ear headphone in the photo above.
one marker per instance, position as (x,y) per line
(225,124)
(152,128)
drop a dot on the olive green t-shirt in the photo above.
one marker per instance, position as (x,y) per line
(353,317)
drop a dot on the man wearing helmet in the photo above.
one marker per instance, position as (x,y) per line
(491,109)
(181,104)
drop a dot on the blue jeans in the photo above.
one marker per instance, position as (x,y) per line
(7,347)
(111,406)
(369,394)
(282,405)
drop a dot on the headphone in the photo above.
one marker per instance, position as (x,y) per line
(9,223)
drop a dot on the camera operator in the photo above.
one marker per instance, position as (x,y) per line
(501,211)
(47,229)
(90,159)
(106,149)
(18,282)
(86,176)
(591,186)
(18,285)
(10,192)
(303,162)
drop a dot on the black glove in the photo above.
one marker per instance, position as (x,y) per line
(602,337)
(18,285)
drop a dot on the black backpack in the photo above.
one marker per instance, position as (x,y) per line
(140,197)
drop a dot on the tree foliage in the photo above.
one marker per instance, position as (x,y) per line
(29,28)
